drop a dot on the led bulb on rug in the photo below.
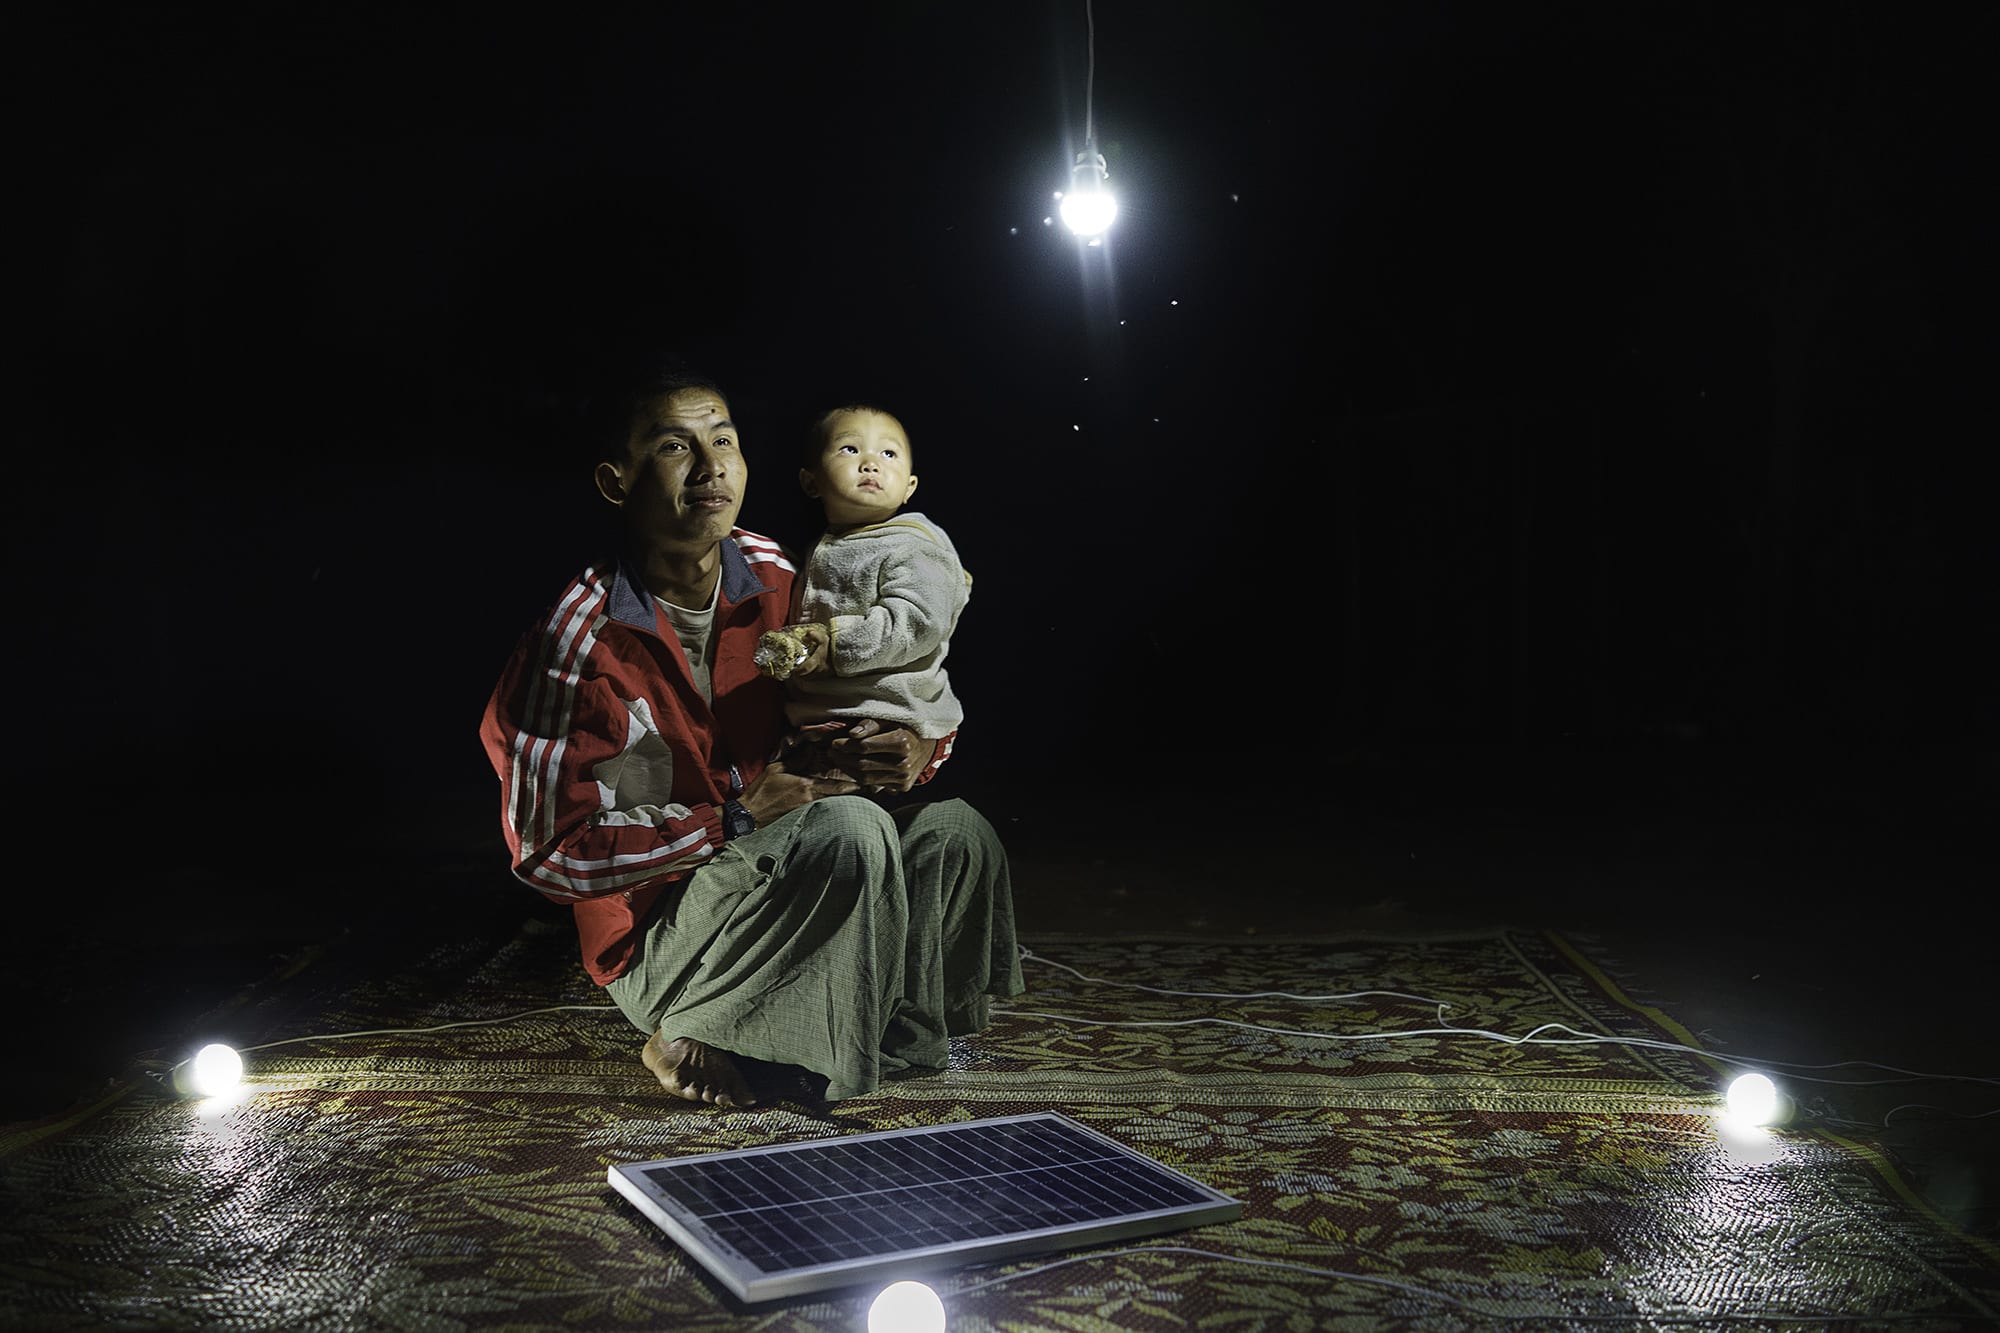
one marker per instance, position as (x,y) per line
(906,1307)
(214,1071)
(1753,1100)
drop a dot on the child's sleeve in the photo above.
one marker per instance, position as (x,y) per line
(919,593)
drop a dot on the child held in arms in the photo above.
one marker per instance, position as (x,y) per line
(880,596)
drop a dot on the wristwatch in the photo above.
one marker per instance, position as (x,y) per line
(736,821)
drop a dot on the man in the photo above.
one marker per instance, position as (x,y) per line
(748,916)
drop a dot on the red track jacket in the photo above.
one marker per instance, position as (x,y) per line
(612,766)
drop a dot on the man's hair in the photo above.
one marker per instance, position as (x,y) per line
(815,443)
(622,392)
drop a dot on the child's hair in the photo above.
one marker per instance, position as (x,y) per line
(816,438)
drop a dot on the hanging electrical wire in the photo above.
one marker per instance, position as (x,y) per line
(1088,206)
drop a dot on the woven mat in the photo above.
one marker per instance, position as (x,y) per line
(456,1178)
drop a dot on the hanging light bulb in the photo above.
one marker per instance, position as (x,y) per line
(1088,208)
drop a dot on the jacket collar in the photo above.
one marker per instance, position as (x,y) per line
(632,605)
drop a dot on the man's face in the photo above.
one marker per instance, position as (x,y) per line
(682,478)
(864,469)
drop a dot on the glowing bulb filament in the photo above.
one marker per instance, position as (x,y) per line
(1088,207)
(1089,213)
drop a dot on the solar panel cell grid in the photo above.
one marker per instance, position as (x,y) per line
(800,1217)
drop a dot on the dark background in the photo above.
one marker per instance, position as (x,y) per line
(1606,382)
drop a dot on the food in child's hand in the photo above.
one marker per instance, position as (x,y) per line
(780,651)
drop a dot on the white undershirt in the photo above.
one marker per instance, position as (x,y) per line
(695,631)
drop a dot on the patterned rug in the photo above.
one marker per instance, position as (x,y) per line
(456,1178)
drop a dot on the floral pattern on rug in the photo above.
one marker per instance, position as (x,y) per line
(456,1178)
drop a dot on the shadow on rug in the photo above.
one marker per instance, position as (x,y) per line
(456,1178)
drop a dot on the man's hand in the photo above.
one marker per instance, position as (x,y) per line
(889,758)
(779,791)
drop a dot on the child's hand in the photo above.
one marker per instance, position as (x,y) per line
(817,643)
(796,650)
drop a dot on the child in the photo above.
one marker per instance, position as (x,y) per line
(879,597)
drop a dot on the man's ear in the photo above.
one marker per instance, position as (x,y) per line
(610,484)
(809,482)
(912,490)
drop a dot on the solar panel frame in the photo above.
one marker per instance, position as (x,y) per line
(719,1207)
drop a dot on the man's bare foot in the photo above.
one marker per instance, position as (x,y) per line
(697,1071)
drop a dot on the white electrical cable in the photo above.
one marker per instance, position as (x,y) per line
(1029,955)
(411,1032)
(440,1027)
(1926,1106)
(1090,74)
(1533,1037)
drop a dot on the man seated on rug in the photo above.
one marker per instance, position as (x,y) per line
(751,917)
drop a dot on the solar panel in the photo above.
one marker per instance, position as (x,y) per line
(794,1218)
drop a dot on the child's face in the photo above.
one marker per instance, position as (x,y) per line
(864,469)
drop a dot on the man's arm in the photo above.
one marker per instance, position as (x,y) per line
(779,791)
(566,748)
(587,778)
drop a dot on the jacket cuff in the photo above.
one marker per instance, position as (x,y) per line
(940,751)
